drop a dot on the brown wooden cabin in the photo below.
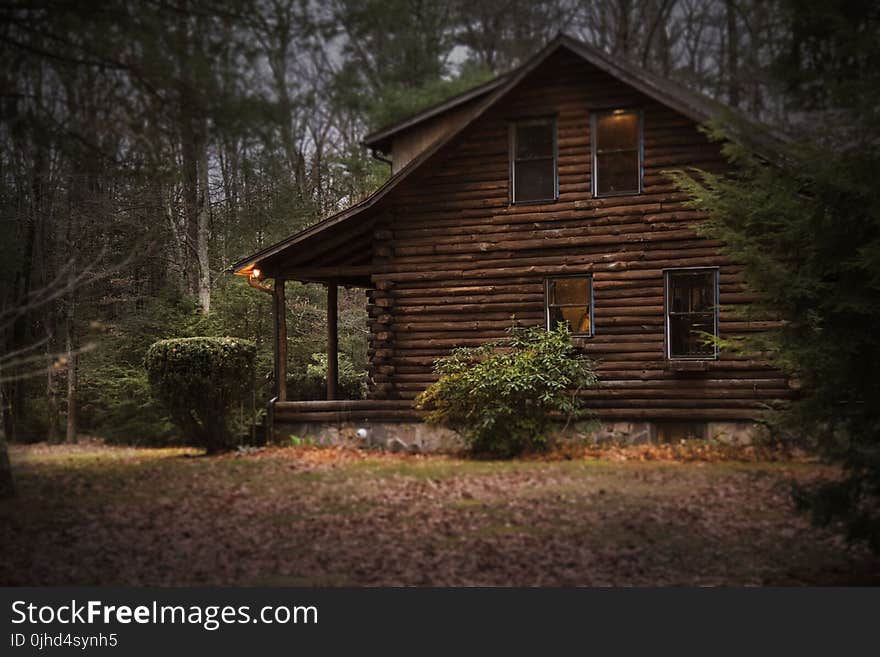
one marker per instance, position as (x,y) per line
(539,195)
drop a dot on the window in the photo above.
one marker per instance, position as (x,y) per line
(533,160)
(570,299)
(617,152)
(691,313)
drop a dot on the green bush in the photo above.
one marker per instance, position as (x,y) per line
(310,383)
(204,383)
(116,403)
(503,395)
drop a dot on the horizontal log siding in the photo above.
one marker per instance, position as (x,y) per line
(461,263)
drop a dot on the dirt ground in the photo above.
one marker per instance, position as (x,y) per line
(96,515)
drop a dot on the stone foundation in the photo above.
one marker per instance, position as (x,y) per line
(418,437)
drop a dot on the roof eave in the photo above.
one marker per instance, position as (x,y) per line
(381,139)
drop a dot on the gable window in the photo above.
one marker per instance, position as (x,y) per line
(533,160)
(569,299)
(617,152)
(692,313)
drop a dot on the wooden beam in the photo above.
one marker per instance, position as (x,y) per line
(326,273)
(332,340)
(322,405)
(279,305)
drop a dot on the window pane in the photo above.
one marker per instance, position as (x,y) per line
(617,172)
(534,180)
(688,335)
(534,140)
(578,319)
(568,300)
(569,291)
(692,302)
(617,131)
(692,292)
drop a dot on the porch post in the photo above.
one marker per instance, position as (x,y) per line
(332,340)
(279,306)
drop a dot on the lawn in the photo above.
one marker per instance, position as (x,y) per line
(95,515)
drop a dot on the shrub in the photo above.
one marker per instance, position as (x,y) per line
(503,395)
(203,382)
(309,383)
(116,403)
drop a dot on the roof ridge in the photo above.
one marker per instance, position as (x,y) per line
(695,106)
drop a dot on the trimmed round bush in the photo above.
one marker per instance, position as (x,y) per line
(202,382)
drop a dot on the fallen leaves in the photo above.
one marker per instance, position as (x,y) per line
(644,515)
(685,451)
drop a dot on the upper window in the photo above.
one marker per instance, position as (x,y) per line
(617,152)
(569,299)
(692,313)
(533,160)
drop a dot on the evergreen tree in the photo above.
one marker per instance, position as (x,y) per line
(807,228)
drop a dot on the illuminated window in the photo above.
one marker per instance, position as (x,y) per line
(533,160)
(692,313)
(617,152)
(569,299)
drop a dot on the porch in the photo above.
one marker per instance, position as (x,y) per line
(339,411)
(337,252)
(391,424)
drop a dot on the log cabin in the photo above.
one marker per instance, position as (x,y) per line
(541,196)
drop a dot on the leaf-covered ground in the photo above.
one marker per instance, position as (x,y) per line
(99,515)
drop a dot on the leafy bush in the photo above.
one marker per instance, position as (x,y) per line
(312,383)
(502,396)
(116,402)
(203,382)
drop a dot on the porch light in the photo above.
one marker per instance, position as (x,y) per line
(256,273)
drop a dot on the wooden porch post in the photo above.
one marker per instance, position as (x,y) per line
(332,340)
(279,305)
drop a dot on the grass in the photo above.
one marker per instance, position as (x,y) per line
(95,515)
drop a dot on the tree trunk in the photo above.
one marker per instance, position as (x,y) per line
(52,411)
(72,390)
(732,53)
(279,305)
(6,396)
(189,154)
(7,487)
(196,206)
(204,222)
(72,365)
(332,339)
(623,36)
(193,126)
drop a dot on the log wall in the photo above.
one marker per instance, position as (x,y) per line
(460,262)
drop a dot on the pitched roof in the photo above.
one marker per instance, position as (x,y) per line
(692,105)
(381,139)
